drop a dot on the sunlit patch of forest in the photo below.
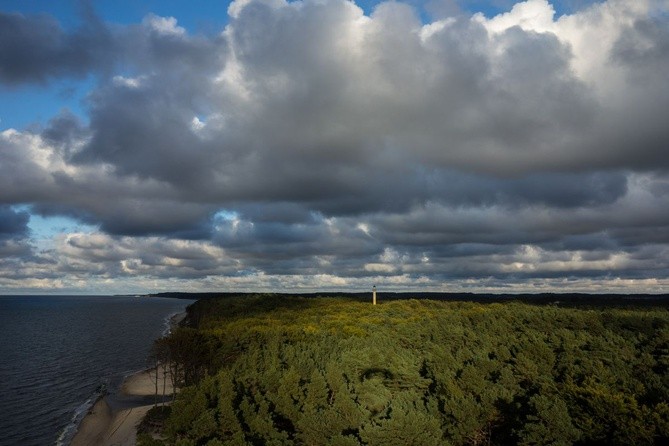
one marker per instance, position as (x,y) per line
(269,370)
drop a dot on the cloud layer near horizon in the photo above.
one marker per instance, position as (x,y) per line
(311,146)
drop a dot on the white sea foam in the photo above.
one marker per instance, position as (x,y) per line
(171,321)
(68,432)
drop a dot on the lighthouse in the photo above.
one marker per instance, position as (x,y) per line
(374,295)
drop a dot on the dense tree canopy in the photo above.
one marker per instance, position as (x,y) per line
(334,371)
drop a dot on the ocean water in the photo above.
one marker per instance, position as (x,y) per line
(57,351)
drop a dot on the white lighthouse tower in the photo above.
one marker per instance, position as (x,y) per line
(374,295)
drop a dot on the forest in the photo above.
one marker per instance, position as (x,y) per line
(281,370)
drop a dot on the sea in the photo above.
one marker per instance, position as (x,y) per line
(58,354)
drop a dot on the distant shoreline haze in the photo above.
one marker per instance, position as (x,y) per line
(569,299)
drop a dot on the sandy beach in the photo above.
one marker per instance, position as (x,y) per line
(113,420)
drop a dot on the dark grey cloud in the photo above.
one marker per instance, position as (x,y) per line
(158,43)
(136,217)
(143,133)
(33,172)
(644,45)
(269,241)
(14,234)
(143,125)
(36,48)
(64,131)
(13,223)
(286,213)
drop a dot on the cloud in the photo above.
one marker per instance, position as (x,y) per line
(13,234)
(36,48)
(308,141)
(36,171)
(12,223)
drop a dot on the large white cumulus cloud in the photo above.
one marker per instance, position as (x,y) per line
(308,142)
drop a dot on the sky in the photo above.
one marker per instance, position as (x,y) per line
(328,145)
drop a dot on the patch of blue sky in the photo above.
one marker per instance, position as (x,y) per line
(66,12)
(204,16)
(44,230)
(46,227)
(225,214)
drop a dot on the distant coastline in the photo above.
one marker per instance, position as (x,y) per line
(564,299)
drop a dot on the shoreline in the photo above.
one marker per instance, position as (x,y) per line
(173,321)
(114,417)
